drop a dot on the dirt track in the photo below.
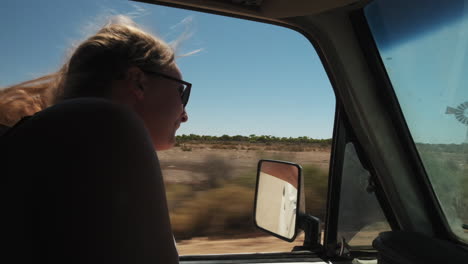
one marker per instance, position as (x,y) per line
(264,244)
(244,245)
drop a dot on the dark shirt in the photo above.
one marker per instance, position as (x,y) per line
(82,184)
(3,129)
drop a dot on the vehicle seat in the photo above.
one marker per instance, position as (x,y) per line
(398,247)
(83,185)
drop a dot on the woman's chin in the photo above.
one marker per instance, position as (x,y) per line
(160,146)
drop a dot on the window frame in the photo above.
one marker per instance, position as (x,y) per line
(330,235)
(343,135)
(333,83)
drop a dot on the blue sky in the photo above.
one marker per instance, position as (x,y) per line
(251,78)
(248,78)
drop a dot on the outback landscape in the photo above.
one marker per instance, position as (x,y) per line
(210,185)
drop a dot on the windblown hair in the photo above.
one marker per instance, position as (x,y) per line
(89,72)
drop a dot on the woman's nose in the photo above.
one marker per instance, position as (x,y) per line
(184,117)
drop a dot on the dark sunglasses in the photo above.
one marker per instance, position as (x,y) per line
(184,88)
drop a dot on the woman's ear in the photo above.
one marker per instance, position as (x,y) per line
(135,79)
(134,73)
(138,92)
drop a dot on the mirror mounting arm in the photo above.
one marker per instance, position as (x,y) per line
(311,226)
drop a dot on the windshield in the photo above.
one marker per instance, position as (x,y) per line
(424,47)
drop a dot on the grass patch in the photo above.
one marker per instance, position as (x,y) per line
(448,173)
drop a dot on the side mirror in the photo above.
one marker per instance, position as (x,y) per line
(277,198)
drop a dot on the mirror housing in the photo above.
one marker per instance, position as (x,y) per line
(277,198)
(280,204)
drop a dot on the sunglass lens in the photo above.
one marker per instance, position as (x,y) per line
(185,96)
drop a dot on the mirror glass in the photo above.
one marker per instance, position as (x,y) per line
(277,198)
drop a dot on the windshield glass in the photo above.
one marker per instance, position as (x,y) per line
(424,47)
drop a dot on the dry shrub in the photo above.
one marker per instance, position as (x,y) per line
(316,189)
(218,212)
(217,171)
(177,193)
(185,148)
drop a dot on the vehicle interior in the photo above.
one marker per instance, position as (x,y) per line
(368,111)
(378,127)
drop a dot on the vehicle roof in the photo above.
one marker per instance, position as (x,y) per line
(262,9)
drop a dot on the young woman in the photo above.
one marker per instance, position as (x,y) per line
(121,63)
(82,172)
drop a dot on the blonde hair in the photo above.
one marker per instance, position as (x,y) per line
(93,65)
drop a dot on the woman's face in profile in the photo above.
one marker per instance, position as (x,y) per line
(161,107)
